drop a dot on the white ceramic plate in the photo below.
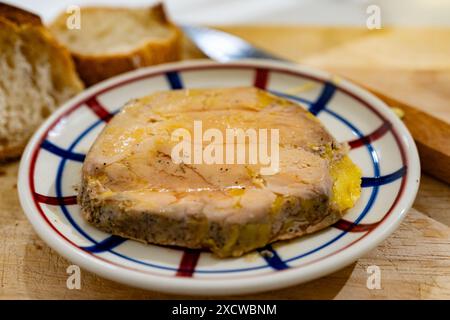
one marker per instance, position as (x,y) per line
(380,145)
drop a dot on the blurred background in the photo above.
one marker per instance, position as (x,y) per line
(409,58)
(312,12)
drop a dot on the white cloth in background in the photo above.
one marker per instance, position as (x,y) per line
(312,12)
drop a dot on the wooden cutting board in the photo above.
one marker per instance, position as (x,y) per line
(408,68)
(414,261)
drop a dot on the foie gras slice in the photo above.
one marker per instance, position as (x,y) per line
(133,187)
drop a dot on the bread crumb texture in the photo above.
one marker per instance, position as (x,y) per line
(36,76)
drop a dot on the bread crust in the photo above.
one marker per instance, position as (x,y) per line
(94,68)
(19,16)
(27,24)
(11,153)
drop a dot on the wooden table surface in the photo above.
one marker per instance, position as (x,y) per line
(412,65)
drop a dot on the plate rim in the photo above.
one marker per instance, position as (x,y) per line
(202,286)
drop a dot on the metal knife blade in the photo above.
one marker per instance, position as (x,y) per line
(224,47)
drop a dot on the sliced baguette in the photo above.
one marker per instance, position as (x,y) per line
(36,75)
(111,40)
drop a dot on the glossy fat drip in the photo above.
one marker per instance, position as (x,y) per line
(347,183)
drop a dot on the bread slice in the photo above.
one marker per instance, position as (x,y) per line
(111,40)
(132,187)
(36,75)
